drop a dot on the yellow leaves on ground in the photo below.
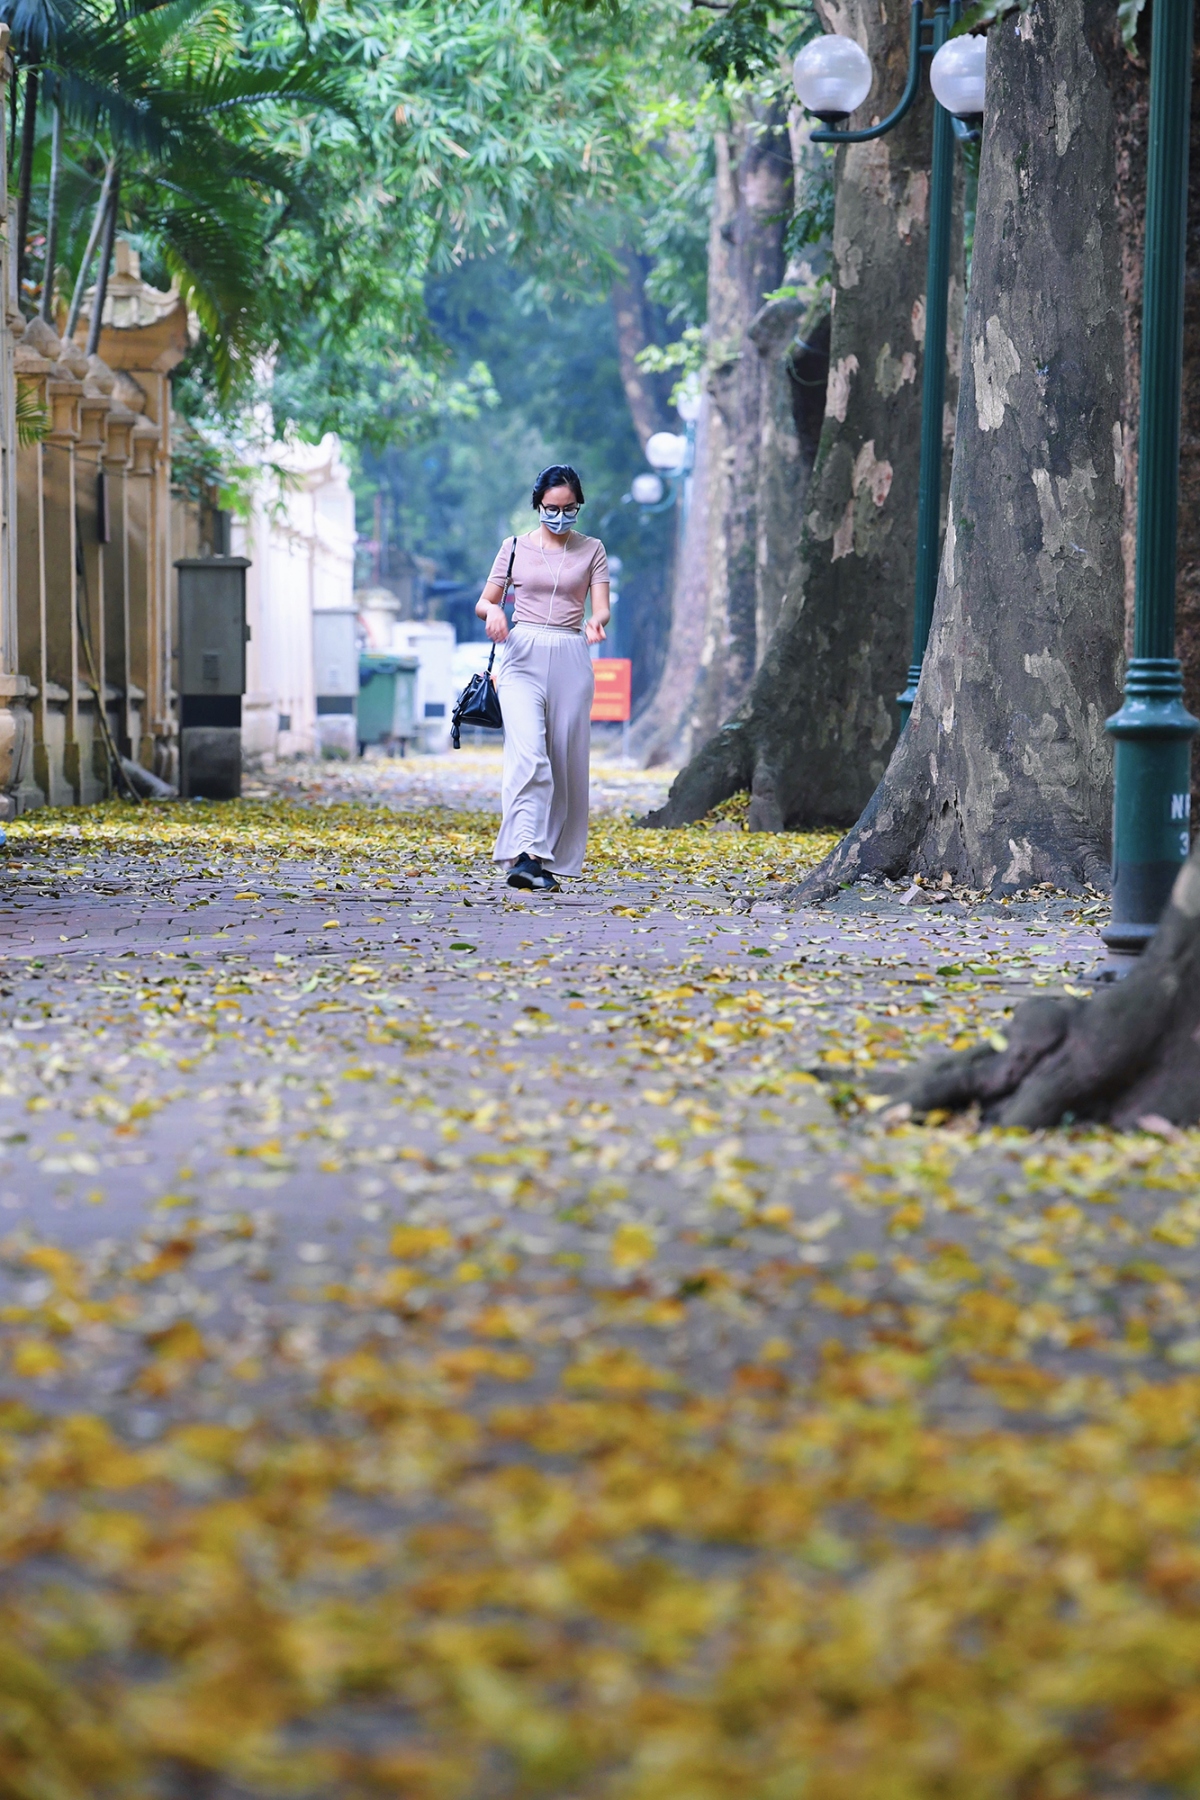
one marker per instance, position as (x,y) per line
(32,1357)
(60,1265)
(632,1245)
(411,1242)
(624,1421)
(634,1579)
(525,1629)
(416,843)
(616,1370)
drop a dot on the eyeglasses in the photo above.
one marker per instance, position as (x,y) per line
(560,512)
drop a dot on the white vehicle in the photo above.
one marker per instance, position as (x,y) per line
(335,680)
(432,642)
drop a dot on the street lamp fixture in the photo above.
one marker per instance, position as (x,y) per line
(666,451)
(957,76)
(670,455)
(647,489)
(689,404)
(832,77)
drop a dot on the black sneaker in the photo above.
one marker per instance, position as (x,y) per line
(527,872)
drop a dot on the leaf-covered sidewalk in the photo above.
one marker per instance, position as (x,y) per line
(460,1344)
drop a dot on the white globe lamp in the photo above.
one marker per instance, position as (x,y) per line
(647,490)
(832,76)
(665,450)
(957,76)
(688,405)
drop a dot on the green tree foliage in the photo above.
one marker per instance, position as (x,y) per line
(495,131)
(407,218)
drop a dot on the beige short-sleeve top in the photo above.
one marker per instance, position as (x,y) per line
(549,587)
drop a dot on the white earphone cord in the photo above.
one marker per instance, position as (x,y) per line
(554,591)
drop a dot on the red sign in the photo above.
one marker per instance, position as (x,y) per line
(614,682)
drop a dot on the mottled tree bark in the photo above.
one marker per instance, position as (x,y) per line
(1003,777)
(1128,1056)
(793,387)
(658,734)
(792,341)
(751,210)
(711,651)
(811,737)
(1129,79)
(634,324)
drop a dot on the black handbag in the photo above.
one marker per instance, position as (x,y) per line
(479,703)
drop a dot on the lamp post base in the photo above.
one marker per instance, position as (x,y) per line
(1127,940)
(1152,798)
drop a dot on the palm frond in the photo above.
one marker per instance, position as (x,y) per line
(33,421)
(37,25)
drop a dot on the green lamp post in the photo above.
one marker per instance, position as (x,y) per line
(1153,730)
(833,77)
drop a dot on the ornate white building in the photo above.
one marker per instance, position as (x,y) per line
(300,541)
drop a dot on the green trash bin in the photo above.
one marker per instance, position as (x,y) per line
(387,693)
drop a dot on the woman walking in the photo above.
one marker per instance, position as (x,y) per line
(545,682)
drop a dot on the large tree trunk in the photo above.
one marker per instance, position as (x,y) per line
(712,648)
(633,319)
(658,733)
(1128,77)
(1129,1056)
(812,736)
(746,262)
(1004,776)
(792,340)
(791,335)
(795,364)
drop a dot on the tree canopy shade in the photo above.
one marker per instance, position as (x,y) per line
(488,134)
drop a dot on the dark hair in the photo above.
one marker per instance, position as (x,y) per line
(557,475)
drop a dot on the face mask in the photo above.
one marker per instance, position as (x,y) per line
(559,519)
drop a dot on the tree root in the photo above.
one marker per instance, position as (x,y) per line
(1128,1056)
(717,772)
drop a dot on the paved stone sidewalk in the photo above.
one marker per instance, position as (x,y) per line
(190,1035)
(460,1343)
(466,779)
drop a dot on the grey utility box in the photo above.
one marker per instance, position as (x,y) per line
(211,675)
(335,680)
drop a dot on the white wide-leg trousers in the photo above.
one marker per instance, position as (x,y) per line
(545,685)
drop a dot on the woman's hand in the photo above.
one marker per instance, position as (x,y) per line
(495,623)
(594,632)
